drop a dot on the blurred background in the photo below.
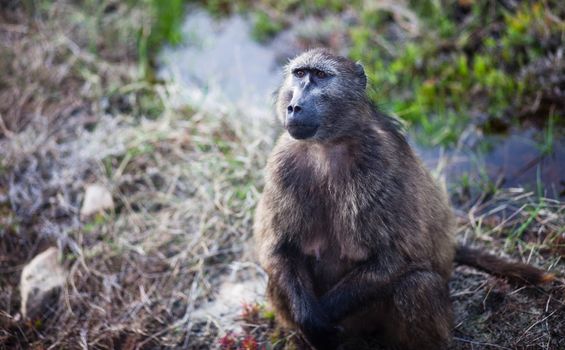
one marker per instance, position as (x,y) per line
(133,135)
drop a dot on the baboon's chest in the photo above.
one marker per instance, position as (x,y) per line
(328,242)
(330,248)
(329,259)
(325,191)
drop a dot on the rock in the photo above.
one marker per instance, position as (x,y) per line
(227,305)
(41,281)
(96,199)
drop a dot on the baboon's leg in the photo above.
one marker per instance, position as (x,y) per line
(366,284)
(418,309)
(421,315)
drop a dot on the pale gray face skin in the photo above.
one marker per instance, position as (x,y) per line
(319,88)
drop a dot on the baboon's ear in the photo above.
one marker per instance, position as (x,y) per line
(360,71)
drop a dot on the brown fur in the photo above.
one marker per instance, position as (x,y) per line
(515,272)
(355,235)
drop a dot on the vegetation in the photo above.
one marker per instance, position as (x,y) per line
(439,65)
(442,65)
(471,62)
(75,110)
(79,104)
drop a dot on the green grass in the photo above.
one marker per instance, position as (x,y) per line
(453,72)
(515,235)
(265,27)
(546,146)
(164,28)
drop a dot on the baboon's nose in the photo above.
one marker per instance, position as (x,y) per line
(293,109)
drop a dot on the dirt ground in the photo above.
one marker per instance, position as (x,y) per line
(185,183)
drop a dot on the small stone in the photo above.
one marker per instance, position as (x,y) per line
(225,309)
(96,199)
(41,281)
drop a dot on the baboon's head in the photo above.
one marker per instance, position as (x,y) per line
(321,96)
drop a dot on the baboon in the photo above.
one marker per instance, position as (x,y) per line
(355,235)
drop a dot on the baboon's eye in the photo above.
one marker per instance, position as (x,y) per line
(321,74)
(299,73)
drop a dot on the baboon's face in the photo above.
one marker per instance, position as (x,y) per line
(319,91)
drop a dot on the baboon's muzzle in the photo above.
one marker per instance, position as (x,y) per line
(302,121)
(301,132)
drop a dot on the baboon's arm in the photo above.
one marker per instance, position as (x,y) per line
(294,283)
(367,282)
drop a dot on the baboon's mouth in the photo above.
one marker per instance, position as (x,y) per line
(301,131)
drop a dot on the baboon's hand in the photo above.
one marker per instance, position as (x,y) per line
(316,327)
(328,305)
(334,305)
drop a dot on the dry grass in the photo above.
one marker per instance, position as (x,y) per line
(490,313)
(185,185)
